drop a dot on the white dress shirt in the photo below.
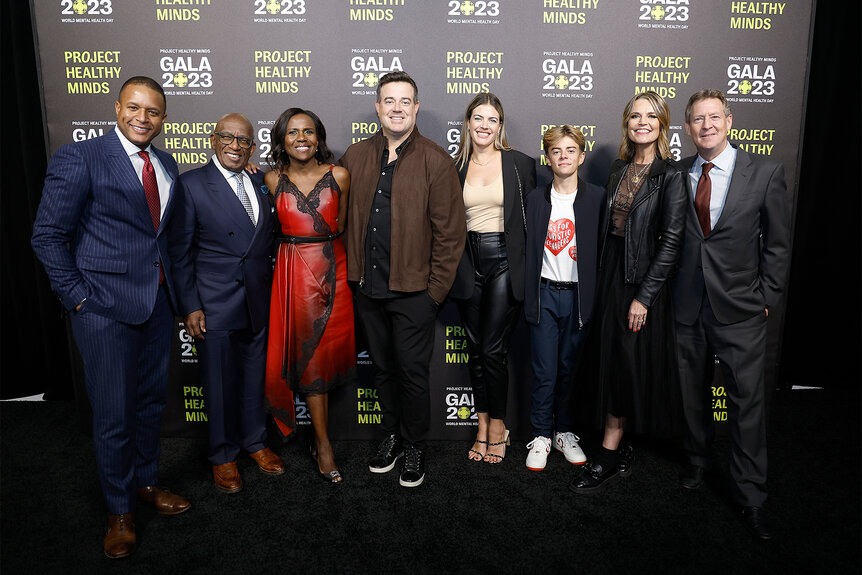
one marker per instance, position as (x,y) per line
(246,185)
(162,178)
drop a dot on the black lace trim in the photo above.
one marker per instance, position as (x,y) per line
(309,205)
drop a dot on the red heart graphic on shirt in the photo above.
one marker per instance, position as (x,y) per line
(573,252)
(560,233)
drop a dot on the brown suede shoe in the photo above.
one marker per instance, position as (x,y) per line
(165,502)
(120,538)
(227,477)
(268,461)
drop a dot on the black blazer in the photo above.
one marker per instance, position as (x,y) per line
(588,217)
(514,196)
(742,263)
(654,226)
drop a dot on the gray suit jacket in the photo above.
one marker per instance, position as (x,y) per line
(742,263)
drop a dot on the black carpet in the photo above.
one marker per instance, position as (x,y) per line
(466,518)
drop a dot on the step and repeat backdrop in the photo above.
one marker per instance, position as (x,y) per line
(550,61)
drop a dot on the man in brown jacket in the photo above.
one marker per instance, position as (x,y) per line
(404,240)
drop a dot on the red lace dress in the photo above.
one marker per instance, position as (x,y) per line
(311,346)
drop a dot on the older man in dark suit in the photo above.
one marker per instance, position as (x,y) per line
(220,243)
(731,271)
(99,232)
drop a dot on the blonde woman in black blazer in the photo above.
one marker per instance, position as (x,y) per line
(490,280)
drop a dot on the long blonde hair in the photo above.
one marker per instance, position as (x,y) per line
(659,106)
(465,145)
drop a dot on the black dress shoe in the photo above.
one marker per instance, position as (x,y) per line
(627,460)
(755,519)
(413,471)
(691,477)
(593,478)
(388,452)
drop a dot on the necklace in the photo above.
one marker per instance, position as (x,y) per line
(634,178)
(473,159)
(637,177)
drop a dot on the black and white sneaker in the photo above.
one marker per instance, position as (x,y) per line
(388,452)
(413,468)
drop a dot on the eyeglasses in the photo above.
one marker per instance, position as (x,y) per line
(228,138)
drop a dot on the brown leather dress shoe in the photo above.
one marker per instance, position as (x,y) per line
(120,538)
(165,502)
(268,461)
(227,477)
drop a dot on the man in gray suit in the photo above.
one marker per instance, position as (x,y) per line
(731,271)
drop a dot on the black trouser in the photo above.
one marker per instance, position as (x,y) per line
(489,318)
(399,333)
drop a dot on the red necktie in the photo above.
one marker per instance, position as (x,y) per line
(151,190)
(702,197)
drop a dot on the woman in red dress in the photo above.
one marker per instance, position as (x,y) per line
(311,346)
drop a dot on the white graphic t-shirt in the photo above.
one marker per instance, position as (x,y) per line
(559,261)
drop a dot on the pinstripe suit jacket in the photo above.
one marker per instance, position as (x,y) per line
(93,231)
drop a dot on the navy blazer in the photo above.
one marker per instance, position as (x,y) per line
(515,164)
(588,216)
(221,260)
(94,234)
(742,263)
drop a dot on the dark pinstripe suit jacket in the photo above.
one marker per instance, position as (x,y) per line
(93,231)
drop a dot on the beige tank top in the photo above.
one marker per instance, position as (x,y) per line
(484,206)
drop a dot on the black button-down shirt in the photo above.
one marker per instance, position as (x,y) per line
(378,236)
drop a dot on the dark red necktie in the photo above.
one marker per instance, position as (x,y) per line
(151,190)
(702,197)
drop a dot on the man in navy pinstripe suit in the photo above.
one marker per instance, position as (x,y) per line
(99,232)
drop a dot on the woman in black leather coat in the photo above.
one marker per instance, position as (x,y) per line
(646,206)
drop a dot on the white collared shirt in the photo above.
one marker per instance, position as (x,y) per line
(163,180)
(719,175)
(246,184)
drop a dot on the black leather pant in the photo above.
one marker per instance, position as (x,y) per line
(489,318)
